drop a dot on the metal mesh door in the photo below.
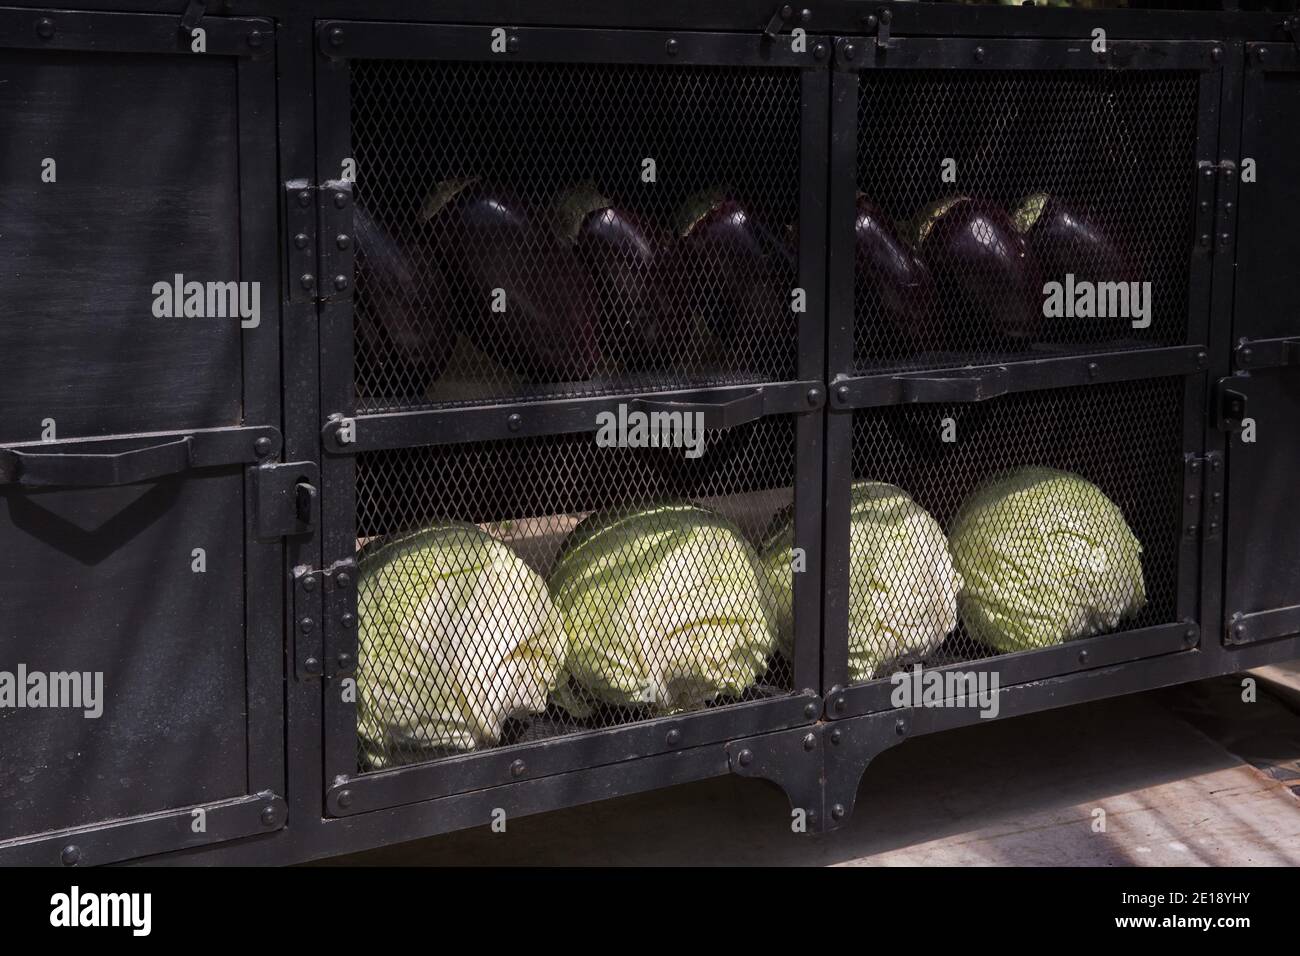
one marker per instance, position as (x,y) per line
(1020,261)
(615,223)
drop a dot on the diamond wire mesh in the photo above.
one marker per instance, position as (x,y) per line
(466,629)
(1114,152)
(509,247)
(1124,438)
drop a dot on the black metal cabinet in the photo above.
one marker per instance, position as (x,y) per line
(141,571)
(441,413)
(448,377)
(1259,404)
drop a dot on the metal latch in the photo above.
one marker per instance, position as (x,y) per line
(286,498)
(194,12)
(1229,405)
(1267,353)
(1291,26)
(785,14)
(879,22)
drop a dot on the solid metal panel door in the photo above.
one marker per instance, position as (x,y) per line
(140,573)
(1259,404)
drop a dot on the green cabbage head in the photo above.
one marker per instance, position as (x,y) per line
(902,585)
(457,634)
(1046,557)
(664,607)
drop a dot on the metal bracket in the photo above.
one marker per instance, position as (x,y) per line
(1291,27)
(1247,628)
(850,746)
(325,620)
(307,610)
(300,235)
(785,14)
(334,205)
(1212,495)
(287,498)
(791,759)
(1225,204)
(1205,183)
(1267,353)
(879,24)
(164,831)
(1203,497)
(193,14)
(340,618)
(319,240)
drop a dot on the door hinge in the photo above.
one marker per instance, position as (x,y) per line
(1216,205)
(320,240)
(286,498)
(325,620)
(1225,205)
(1203,495)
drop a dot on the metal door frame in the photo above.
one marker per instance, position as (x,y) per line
(251,41)
(1246,354)
(850,391)
(337,43)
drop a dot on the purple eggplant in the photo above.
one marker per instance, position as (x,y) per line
(737,275)
(1067,240)
(629,266)
(982,265)
(403,339)
(522,297)
(891,277)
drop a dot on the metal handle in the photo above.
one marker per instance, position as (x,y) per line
(1267,353)
(976,385)
(82,470)
(737,411)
